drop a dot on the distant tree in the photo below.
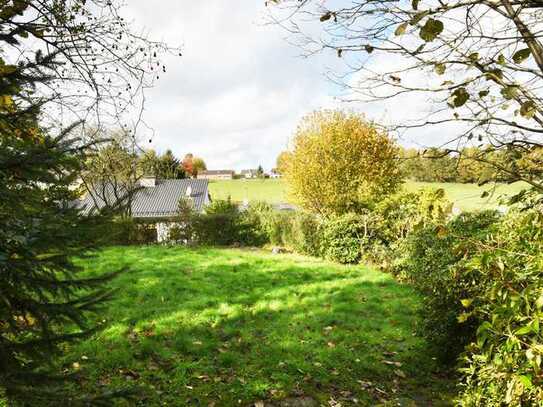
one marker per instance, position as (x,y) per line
(260,172)
(192,165)
(282,162)
(198,166)
(169,167)
(341,163)
(149,163)
(111,172)
(188,164)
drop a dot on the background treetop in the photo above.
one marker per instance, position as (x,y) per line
(340,163)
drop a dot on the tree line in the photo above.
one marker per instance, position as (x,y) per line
(478,164)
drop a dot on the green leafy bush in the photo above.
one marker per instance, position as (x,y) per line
(126,231)
(223,224)
(221,229)
(305,234)
(430,262)
(344,237)
(258,220)
(503,365)
(404,211)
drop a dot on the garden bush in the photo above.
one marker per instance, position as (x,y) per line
(305,234)
(430,264)
(402,212)
(502,366)
(124,230)
(345,237)
(224,224)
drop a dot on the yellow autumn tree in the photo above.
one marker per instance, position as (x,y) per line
(340,163)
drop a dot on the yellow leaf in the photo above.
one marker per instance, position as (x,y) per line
(466,302)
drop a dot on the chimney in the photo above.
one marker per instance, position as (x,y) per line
(148,181)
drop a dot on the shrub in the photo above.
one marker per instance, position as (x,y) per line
(126,231)
(503,365)
(344,237)
(219,229)
(258,220)
(224,224)
(404,211)
(305,234)
(430,258)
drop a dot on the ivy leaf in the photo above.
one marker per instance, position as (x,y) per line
(521,55)
(440,68)
(415,4)
(501,59)
(459,97)
(483,93)
(401,29)
(431,30)
(485,194)
(369,49)
(527,109)
(339,52)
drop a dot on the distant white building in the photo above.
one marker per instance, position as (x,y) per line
(249,174)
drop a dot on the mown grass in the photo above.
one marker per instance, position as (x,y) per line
(464,196)
(224,327)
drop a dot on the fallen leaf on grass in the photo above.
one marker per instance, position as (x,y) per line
(392,363)
(399,373)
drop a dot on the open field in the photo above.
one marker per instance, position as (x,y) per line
(224,327)
(464,196)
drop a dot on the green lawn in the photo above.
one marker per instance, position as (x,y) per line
(225,327)
(464,196)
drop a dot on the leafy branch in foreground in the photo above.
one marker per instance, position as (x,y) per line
(475,63)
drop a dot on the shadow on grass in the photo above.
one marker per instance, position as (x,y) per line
(204,326)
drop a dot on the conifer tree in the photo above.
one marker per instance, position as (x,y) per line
(61,62)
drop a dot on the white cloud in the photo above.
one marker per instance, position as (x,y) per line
(238,92)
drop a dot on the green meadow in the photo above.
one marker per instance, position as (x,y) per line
(225,327)
(464,196)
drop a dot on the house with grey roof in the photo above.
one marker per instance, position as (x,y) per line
(155,201)
(216,174)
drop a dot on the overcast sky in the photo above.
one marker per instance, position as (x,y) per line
(238,92)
